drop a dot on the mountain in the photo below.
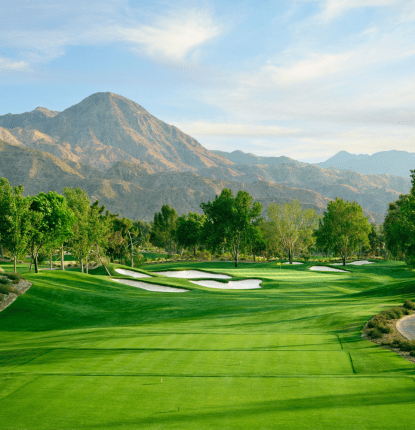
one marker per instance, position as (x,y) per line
(105,128)
(128,189)
(240,157)
(390,162)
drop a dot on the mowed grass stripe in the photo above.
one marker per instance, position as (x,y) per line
(216,363)
(203,403)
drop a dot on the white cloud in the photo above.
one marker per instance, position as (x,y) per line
(335,8)
(173,36)
(9,65)
(206,128)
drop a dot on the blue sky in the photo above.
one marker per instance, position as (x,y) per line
(300,78)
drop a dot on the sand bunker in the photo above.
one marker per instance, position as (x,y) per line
(132,273)
(353,263)
(294,262)
(327,269)
(150,287)
(190,274)
(246,284)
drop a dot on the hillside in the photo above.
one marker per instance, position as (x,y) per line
(105,128)
(128,189)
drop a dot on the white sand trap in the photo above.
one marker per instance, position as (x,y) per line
(190,274)
(132,273)
(326,269)
(294,262)
(353,263)
(150,287)
(246,284)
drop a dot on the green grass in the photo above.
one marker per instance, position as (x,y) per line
(83,352)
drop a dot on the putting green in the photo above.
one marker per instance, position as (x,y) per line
(85,352)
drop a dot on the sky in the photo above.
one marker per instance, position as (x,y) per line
(300,78)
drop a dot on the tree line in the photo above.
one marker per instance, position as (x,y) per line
(42,224)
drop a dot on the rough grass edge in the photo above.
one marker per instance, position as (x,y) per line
(393,340)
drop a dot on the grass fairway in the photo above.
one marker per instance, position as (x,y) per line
(84,352)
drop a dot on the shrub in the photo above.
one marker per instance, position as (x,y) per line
(394,313)
(14,277)
(412,353)
(374,333)
(409,304)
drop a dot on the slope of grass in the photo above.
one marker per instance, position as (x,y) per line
(81,351)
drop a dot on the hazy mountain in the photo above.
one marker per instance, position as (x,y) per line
(390,162)
(240,157)
(128,189)
(105,128)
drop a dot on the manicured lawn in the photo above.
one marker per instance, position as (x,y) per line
(83,352)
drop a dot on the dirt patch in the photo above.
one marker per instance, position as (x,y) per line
(7,299)
(387,338)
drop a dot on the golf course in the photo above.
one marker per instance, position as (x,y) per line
(82,351)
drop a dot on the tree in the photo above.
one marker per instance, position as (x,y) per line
(52,222)
(163,230)
(189,231)
(344,226)
(15,224)
(399,225)
(291,227)
(91,227)
(229,221)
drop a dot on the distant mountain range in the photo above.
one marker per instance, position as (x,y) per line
(398,163)
(134,163)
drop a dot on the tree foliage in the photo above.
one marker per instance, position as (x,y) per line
(344,226)
(399,225)
(230,221)
(189,231)
(291,228)
(52,222)
(163,230)
(15,226)
(91,227)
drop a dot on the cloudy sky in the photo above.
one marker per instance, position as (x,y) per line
(300,78)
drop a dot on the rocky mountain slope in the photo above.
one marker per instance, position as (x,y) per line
(128,189)
(105,128)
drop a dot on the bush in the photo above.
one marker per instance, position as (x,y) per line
(4,281)
(374,333)
(394,313)
(14,277)
(412,353)
(409,304)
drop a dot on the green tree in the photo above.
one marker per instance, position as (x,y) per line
(143,228)
(344,226)
(189,231)
(53,222)
(229,222)
(291,227)
(91,227)
(163,230)
(399,225)
(15,227)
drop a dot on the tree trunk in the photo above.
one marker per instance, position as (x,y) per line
(1,251)
(82,266)
(236,259)
(31,262)
(87,266)
(36,266)
(343,259)
(290,256)
(62,259)
(15,262)
(51,264)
